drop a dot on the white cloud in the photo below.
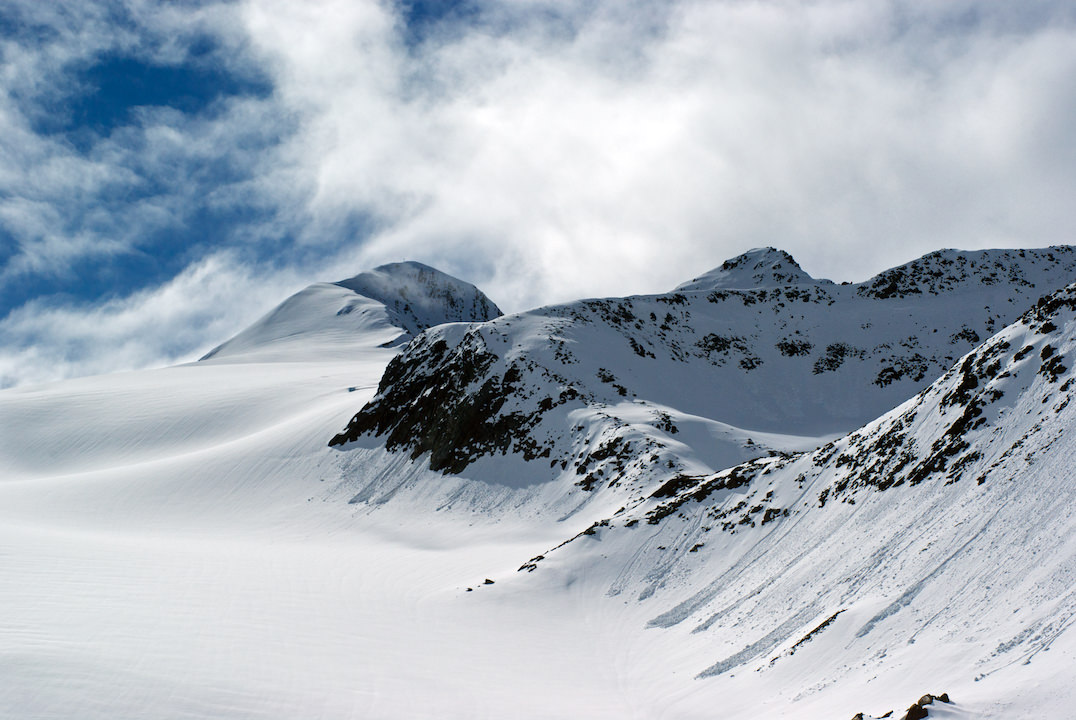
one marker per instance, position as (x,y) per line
(177,321)
(855,135)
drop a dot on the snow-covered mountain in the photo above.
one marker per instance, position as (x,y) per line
(931,548)
(718,499)
(385,306)
(752,358)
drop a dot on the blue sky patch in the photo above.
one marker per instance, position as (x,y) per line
(426,18)
(113,88)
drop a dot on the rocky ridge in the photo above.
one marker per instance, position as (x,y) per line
(606,393)
(975,422)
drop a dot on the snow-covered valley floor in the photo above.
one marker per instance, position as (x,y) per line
(180,579)
(185,578)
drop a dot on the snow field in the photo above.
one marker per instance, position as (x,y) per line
(182,543)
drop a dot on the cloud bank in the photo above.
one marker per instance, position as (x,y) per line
(544,150)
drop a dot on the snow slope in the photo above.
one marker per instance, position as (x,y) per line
(194,571)
(933,549)
(173,544)
(385,306)
(182,542)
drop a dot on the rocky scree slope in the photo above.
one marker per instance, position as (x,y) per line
(386,306)
(933,544)
(752,359)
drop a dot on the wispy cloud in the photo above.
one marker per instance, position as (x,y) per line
(174,322)
(91,173)
(544,150)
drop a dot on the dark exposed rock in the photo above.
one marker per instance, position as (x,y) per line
(835,357)
(885,458)
(966,334)
(919,709)
(454,415)
(791,347)
(684,488)
(1051,367)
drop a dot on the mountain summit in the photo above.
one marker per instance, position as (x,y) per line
(418,296)
(955,503)
(757,268)
(382,307)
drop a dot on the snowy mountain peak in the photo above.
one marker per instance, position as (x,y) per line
(756,268)
(995,407)
(383,307)
(419,296)
(916,523)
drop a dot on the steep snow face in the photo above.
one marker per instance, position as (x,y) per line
(383,307)
(758,268)
(931,549)
(617,392)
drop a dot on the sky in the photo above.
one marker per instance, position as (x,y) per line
(170,171)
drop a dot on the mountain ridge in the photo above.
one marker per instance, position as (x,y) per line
(756,268)
(757,370)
